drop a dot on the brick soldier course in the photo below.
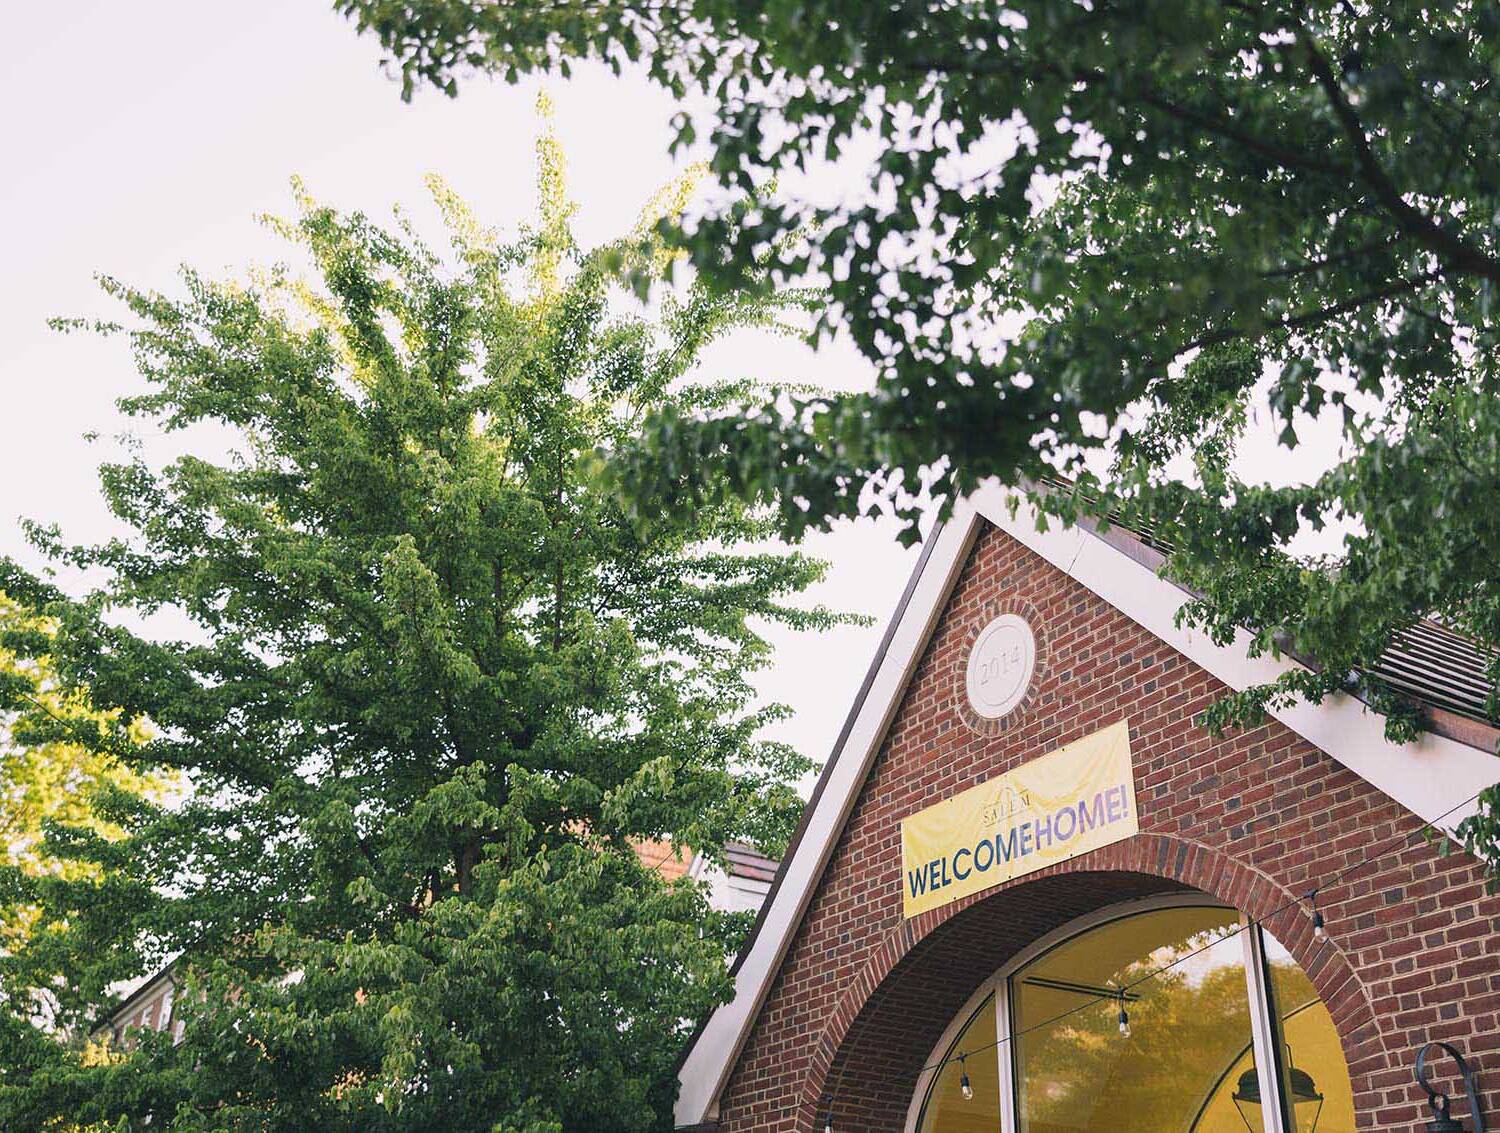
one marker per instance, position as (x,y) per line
(1255,819)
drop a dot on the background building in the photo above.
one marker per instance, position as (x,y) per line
(740,886)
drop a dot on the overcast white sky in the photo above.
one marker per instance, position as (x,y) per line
(137,137)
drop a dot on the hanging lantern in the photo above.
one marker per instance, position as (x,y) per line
(1307,1103)
(1441,1121)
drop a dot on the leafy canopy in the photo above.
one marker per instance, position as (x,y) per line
(1089,235)
(439,684)
(57,772)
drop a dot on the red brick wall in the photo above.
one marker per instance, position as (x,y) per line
(149,1011)
(1254,819)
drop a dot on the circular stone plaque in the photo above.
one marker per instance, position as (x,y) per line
(1001,662)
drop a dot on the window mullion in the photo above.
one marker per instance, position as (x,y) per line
(1009,1121)
(1263,1029)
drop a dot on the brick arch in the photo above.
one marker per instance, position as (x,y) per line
(894,1006)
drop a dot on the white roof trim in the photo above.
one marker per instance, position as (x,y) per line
(707,1066)
(1427,777)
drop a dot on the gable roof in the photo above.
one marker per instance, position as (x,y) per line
(149,988)
(743,860)
(1427,777)
(1442,670)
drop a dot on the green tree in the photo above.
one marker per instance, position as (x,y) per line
(55,759)
(440,682)
(60,776)
(1090,235)
(1185,1037)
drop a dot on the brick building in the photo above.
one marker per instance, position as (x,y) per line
(1256,931)
(739,885)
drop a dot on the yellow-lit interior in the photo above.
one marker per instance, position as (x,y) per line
(1189,1029)
(1189,1045)
(1310,1042)
(947,1110)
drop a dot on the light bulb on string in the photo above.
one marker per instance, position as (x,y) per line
(1124,1016)
(1320,932)
(963,1080)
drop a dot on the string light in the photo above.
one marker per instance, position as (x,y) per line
(963,1080)
(1320,934)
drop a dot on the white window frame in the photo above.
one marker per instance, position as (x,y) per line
(1262,1025)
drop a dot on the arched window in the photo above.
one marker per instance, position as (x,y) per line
(1227,1035)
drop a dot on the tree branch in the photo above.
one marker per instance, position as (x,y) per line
(1454,248)
(1457,252)
(1306,319)
(1262,147)
(1336,260)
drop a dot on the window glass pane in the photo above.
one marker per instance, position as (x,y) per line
(1189,1043)
(1314,1071)
(946,1109)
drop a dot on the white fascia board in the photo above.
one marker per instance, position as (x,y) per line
(1429,777)
(707,1066)
(699,867)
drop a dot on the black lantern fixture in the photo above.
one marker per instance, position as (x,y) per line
(1307,1103)
(1441,1122)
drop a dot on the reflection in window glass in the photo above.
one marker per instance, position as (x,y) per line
(947,1110)
(1189,1043)
(1314,1073)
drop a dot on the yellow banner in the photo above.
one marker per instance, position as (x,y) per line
(1067,802)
